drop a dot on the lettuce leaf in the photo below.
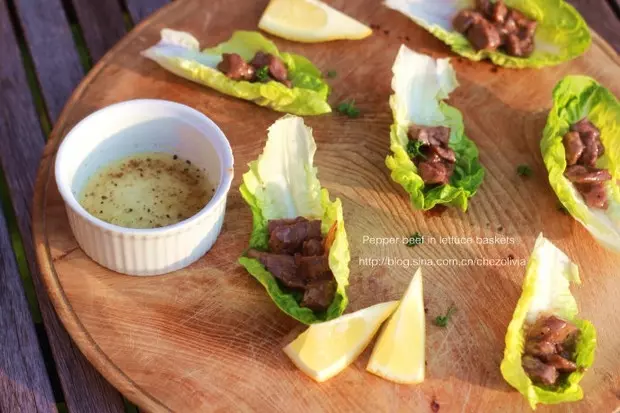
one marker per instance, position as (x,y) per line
(179,52)
(562,34)
(574,98)
(420,83)
(283,183)
(546,290)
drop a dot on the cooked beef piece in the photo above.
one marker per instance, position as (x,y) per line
(464,19)
(594,194)
(592,145)
(288,239)
(586,175)
(485,7)
(540,348)
(444,153)
(283,267)
(498,12)
(434,172)
(573,147)
(493,24)
(483,35)
(312,247)
(234,67)
(275,223)
(319,295)
(313,268)
(277,69)
(430,135)
(560,363)
(538,371)
(585,126)
(552,329)
(515,46)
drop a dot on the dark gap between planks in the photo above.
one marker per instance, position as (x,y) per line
(78,35)
(11,218)
(615,6)
(127,20)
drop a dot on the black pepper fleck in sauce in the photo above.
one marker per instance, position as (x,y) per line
(127,192)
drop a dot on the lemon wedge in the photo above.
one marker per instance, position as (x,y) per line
(325,349)
(310,21)
(399,354)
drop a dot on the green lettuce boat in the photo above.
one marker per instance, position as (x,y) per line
(574,98)
(546,290)
(179,52)
(420,85)
(283,183)
(562,33)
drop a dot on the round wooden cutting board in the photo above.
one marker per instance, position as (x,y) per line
(208,338)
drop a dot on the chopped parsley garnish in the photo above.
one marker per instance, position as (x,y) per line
(262,74)
(413,149)
(331,74)
(524,170)
(415,239)
(348,108)
(442,320)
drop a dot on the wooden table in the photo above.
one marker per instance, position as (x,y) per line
(47,46)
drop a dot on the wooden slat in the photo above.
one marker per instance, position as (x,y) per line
(52,48)
(24,384)
(601,18)
(102,24)
(21,145)
(139,9)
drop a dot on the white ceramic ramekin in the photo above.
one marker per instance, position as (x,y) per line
(138,126)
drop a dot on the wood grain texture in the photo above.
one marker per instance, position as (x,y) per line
(139,9)
(24,385)
(53,52)
(21,146)
(602,18)
(209,339)
(102,24)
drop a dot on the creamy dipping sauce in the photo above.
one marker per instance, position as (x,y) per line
(146,190)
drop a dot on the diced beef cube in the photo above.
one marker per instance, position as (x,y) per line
(552,329)
(586,174)
(539,348)
(312,247)
(485,7)
(498,12)
(591,143)
(601,148)
(464,19)
(515,46)
(275,223)
(283,267)
(430,135)
(288,239)
(319,295)
(594,194)
(483,35)
(560,363)
(434,172)
(538,371)
(234,67)
(313,268)
(585,126)
(446,154)
(277,69)
(573,146)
